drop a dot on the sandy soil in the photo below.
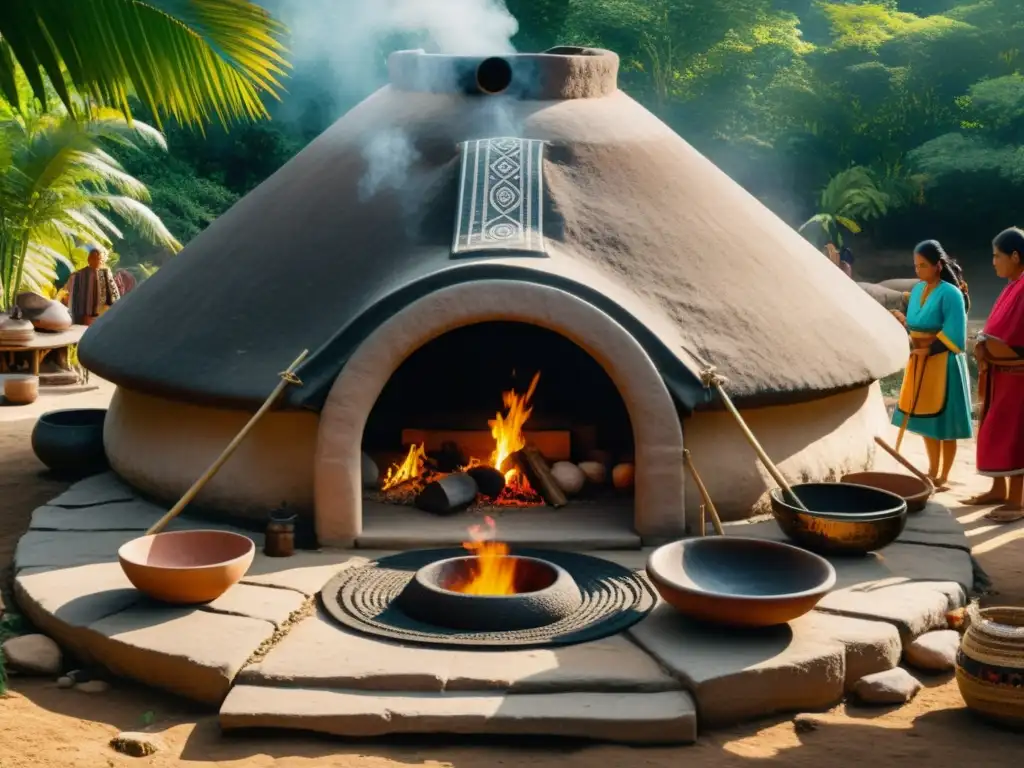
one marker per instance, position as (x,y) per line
(44,727)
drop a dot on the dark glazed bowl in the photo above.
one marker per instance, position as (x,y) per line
(739,582)
(71,442)
(545,594)
(843,518)
(912,490)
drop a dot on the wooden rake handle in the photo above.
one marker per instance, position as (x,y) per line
(716,521)
(899,457)
(287,377)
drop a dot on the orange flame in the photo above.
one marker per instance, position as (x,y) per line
(494,572)
(507,430)
(409,469)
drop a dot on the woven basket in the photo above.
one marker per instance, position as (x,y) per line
(990,664)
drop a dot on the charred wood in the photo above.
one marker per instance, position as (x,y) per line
(450,494)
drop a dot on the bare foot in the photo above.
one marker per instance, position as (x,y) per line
(984,499)
(941,483)
(1008,513)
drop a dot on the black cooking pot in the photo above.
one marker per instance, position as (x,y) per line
(70,442)
(842,518)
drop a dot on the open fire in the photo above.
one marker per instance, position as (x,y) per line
(405,480)
(493,572)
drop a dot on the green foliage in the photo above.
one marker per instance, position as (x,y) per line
(192,60)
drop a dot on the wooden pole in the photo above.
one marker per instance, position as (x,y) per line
(287,377)
(715,381)
(899,457)
(716,521)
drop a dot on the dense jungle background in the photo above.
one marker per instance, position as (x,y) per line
(899,120)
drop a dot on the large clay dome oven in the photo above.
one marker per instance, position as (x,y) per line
(506,269)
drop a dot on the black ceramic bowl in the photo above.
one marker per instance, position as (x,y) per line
(71,442)
(843,518)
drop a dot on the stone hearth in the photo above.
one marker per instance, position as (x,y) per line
(266,656)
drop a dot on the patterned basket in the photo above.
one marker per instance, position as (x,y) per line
(990,664)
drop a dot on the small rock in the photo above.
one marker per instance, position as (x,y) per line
(934,651)
(569,477)
(595,472)
(894,686)
(371,474)
(805,723)
(65,682)
(33,655)
(136,744)
(93,686)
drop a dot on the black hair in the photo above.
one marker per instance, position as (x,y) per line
(1009,241)
(933,252)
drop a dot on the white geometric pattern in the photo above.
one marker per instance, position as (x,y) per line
(501,196)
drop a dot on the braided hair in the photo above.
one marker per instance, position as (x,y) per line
(951,272)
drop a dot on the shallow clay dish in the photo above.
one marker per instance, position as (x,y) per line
(186,567)
(912,490)
(740,582)
(843,518)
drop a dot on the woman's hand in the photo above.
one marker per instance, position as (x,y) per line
(899,316)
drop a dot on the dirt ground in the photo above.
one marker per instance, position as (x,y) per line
(42,726)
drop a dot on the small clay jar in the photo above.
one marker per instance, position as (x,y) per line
(14,330)
(280,538)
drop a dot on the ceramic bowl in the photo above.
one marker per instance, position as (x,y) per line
(738,581)
(71,441)
(21,388)
(843,518)
(186,567)
(912,490)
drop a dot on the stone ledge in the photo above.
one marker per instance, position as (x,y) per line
(98,489)
(318,653)
(632,718)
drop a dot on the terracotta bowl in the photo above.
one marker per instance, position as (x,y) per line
(21,389)
(739,582)
(186,567)
(912,490)
(843,518)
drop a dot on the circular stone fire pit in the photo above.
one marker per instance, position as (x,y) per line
(562,598)
(544,594)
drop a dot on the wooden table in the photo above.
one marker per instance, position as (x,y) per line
(43,344)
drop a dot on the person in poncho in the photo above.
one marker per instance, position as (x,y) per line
(92,289)
(1000,356)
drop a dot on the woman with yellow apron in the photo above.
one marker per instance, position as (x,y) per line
(935,399)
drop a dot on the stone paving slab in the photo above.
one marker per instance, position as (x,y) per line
(637,718)
(738,675)
(64,549)
(193,653)
(318,653)
(133,515)
(305,571)
(98,489)
(267,603)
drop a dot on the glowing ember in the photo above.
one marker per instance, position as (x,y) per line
(410,469)
(493,572)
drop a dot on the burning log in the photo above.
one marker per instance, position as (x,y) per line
(489,481)
(532,464)
(450,494)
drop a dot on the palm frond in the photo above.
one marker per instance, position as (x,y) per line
(193,60)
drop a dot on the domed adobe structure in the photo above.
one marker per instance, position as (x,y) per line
(508,195)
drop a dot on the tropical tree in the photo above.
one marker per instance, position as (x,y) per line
(193,60)
(850,197)
(59,185)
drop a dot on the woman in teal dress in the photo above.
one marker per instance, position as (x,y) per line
(936,386)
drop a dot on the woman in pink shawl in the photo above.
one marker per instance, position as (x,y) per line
(1000,355)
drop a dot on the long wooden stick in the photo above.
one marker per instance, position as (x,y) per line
(711,378)
(913,403)
(716,521)
(287,377)
(899,457)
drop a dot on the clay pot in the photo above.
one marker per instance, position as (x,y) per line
(843,519)
(21,389)
(990,665)
(186,567)
(912,490)
(71,441)
(15,331)
(740,582)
